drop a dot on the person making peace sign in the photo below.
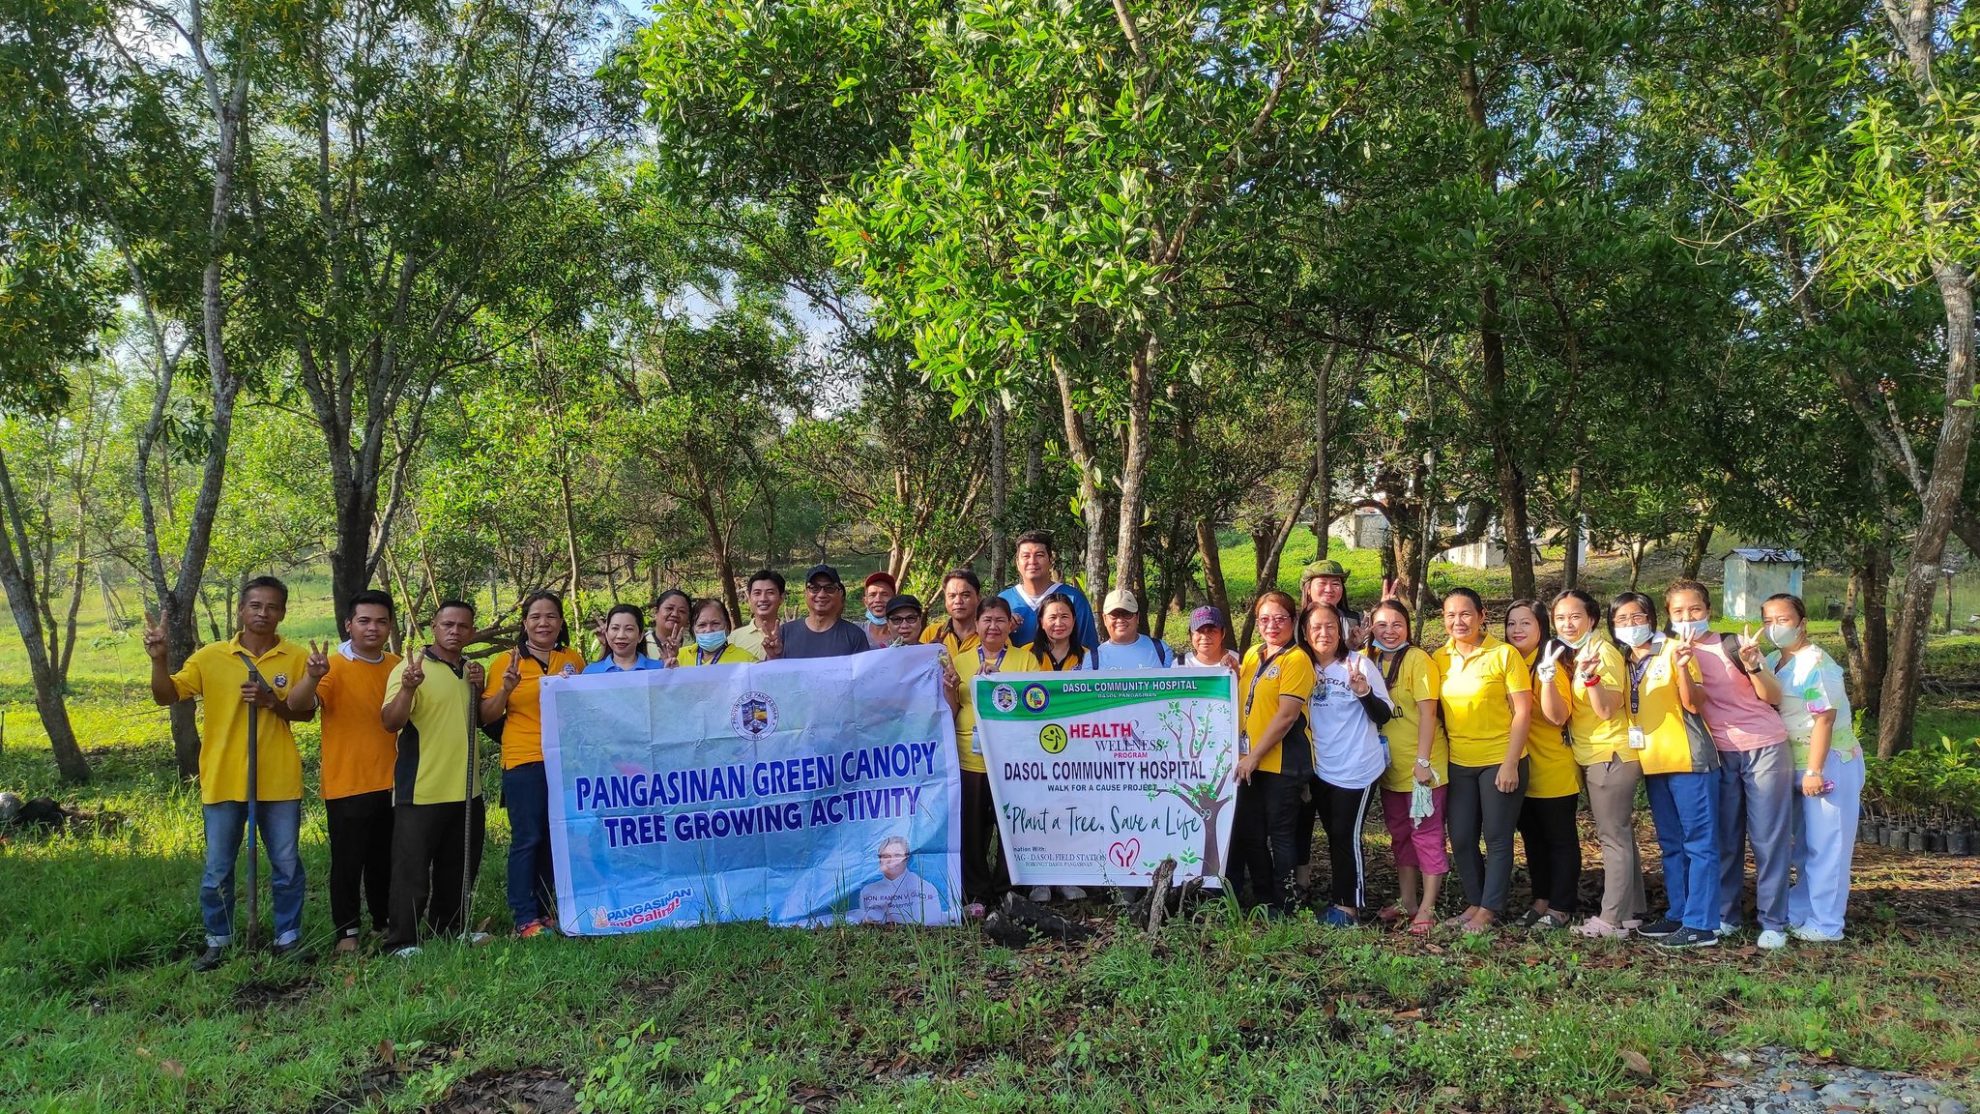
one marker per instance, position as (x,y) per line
(348,682)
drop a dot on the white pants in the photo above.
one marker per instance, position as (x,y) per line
(1824,840)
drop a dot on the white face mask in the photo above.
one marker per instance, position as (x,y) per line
(1633,636)
(1691,628)
(1783,634)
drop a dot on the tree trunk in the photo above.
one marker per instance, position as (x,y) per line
(1571,566)
(1867,650)
(1268,565)
(1213,566)
(1128,562)
(22,582)
(1322,473)
(1701,544)
(1091,507)
(1000,468)
(1940,505)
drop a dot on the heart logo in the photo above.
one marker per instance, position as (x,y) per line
(1125,854)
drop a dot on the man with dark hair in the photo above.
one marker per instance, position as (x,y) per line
(247,675)
(822,633)
(764,594)
(438,813)
(875,591)
(348,683)
(1035,582)
(962,597)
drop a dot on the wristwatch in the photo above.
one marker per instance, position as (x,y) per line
(1423,762)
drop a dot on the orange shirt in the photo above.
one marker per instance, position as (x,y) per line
(358,753)
(522,731)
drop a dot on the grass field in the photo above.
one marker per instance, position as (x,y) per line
(99,1010)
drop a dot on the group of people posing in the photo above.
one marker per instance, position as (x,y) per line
(1483,736)
(1487,737)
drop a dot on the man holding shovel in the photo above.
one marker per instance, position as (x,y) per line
(244,682)
(439,819)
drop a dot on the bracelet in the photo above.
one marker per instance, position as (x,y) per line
(1592,682)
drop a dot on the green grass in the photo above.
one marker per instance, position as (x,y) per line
(100,1011)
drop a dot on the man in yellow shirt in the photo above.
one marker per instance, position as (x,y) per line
(439,819)
(253,670)
(765,595)
(348,682)
(962,599)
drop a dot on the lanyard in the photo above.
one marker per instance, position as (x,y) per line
(1264,662)
(1636,672)
(712,659)
(984,665)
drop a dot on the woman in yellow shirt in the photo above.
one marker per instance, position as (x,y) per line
(1275,757)
(1487,705)
(1057,645)
(709,620)
(984,878)
(1418,755)
(512,697)
(1553,781)
(1597,719)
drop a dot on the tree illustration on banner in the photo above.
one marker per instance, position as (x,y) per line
(1190,737)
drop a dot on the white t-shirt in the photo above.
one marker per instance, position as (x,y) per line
(1143,653)
(1348,749)
(1228,661)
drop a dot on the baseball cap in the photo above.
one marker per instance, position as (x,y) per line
(1205,617)
(826,571)
(901,603)
(881,577)
(1120,599)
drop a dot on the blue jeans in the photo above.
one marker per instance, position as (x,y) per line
(532,884)
(1685,808)
(279,823)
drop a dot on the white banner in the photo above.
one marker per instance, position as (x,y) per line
(1098,777)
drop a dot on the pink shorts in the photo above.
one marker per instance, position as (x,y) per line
(1422,846)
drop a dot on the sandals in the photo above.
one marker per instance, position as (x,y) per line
(1419,927)
(1392,914)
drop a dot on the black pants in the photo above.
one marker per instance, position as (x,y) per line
(1309,811)
(360,859)
(1475,809)
(426,867)
(985,877)
(1553,850)
(1264,838)
(1342,813)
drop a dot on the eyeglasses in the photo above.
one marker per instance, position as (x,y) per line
(1273,620)
(821,589)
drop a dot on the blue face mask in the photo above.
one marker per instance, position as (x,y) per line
(875,619)
(709,641)
(1385,647)
(1579,643)
(1692,629)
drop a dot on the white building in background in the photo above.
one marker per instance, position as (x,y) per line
(1360,528)
(1754,573)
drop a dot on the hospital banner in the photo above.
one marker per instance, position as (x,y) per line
(1098,777)
(795,792)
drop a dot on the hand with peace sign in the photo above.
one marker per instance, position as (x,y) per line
(773,643)
(1684,653)
(415,673)
(317,665)
(1357,680)
(1749,650)
(1548,667)
(1390,586)
(154,636)
(512,676)
(1588,668)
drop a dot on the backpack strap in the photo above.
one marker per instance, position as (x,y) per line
(1731,643)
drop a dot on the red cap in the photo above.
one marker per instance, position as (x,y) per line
(882,577)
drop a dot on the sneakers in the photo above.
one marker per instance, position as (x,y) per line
(1727,928)
(1599,929)
(1338,917)
(406,952)
(1812,936)
(531,930)
(1772,939)
(1689,938)
(1658,929)
(207,960)
(292,950)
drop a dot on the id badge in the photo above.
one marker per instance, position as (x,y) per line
(1244,744)
(976,744)
(1636,739)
